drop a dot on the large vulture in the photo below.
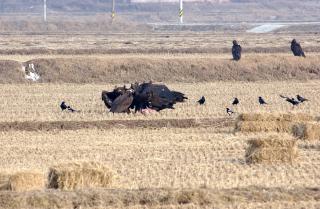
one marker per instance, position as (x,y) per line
(236,51)
(142,96)
(122,103)
(297,49)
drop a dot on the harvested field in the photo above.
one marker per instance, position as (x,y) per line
(151,43)
(188,157)
(144,158)
(40,102)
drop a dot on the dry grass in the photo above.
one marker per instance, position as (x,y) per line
(26,181)
(245,197)
(71,176)
(283,117)
(276,122)
(264,126)
(307,131)
(129,68)
(271,150)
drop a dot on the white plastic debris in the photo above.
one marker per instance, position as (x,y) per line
(265,28)
(31,73)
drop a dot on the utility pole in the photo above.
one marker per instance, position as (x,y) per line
(181,11)
(45,10)
(113,12)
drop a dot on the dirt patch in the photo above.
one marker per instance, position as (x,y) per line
(11,72)
(108,124)
(154,197)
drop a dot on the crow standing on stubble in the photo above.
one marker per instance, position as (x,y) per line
(229,111)
(261,101)
(202,100)
(235,101)
(301,99)
(63,107)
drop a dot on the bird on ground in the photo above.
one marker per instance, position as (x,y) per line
(122,103)
(229,111)
(202,100)
(235,101)
(291,101)
(261,101)
(301,99)
(63,107)
(236,51)
(297,49)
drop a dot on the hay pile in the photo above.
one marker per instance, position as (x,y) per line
(307,131)
(72,176)
(275,117)
(26,181)
(271,150)
(258,122)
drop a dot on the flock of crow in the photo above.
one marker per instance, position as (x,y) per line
(149,97)
(293,101)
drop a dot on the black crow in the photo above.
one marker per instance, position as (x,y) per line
(229,111)
(202,100)
(235,101)
(236,51)
(291,100)
(261,101)
(297,49)
(63,107)
(301,99)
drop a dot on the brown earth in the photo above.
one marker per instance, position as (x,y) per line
(11,72)
(108,124)
(128,69)
(203,198)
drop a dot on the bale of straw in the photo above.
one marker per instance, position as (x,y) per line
(26,181)
(275,117)
(264,126)
(307,131)
(271,150)
(73,176)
